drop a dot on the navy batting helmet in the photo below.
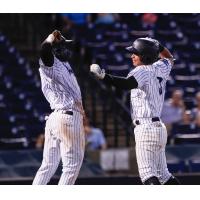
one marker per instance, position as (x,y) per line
(146,48)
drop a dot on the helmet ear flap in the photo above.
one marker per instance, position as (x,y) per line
(146,60)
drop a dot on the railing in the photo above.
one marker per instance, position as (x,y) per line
(105,96)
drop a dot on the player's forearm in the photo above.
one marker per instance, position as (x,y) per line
(120,82)
(46,48)
(47,44)
(165,53)
(46,51)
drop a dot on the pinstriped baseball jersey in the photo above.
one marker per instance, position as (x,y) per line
(59,85)
(147,100)
(64,133)
(146,103)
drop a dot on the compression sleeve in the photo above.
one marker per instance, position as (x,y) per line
(121,82)
(46,54)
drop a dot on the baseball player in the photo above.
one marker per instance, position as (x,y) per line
(64,135)
(147,82)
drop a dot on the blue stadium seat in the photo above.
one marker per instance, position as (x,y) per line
(27,171)
(189,94)
(170,36)
(18,158)
(7,172)
(187,81)
(185,129)
(166,23)
(193,35)
(2,163)
(132,20)
(189,24)
(19,121)
(21,89)
(194,165)
(192,138)
(36,154)
(183,70)
(176,166)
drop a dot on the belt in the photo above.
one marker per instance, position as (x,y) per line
(154,119)
(68,112)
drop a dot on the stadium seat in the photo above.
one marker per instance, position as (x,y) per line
(194,165)
(192,138)
(185,129)
(18,158)
(23,99)
(176,166)
(187,81)
(193,35)
(7,172)
(170,36)
(36,155)
(28,171)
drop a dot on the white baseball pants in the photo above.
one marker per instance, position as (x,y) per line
(151,139)
(64,139)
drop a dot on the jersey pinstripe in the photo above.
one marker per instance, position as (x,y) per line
(59,85)
(146,103)
(65,139)
(151,139)
(64,133)
(147,100)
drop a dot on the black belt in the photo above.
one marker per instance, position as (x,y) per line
(68,112)
(154,119)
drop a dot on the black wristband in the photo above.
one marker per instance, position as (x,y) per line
(161,47)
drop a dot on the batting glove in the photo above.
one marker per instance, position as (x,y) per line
(97,71)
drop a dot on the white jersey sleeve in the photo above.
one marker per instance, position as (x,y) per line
(51,72)
(163,67)
(141,75)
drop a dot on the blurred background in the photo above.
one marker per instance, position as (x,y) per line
(98,38)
